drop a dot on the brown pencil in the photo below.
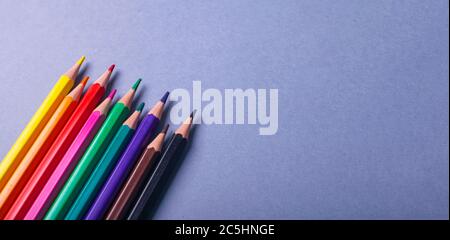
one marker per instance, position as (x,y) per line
(135,181)
(163,169)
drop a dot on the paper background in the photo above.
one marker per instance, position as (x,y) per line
(363,97)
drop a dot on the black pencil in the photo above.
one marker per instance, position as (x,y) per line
(163,169)
(136,180)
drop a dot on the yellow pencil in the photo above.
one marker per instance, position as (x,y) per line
(9,164)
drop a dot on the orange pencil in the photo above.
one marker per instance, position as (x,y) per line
(39,148)
(65,166)
(59,147)
(40,118)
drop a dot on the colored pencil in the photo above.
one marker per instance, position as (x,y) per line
(135,181)
(39,148)
(171,155)
(23,143)
(140,139)
(68,162)
(103,169)
(59,147)
(92,155)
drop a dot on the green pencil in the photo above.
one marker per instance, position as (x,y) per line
(105,166)
(92,155)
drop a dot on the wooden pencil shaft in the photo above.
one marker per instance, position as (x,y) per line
(101,172)
(81,201)
(161,172)
(40,118)
(132,186)
(115,181)
(34,156)
(88,162)
(128,159)
(56,152)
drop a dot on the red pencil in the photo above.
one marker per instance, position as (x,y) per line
(59,147)
(70,159)
(39,148)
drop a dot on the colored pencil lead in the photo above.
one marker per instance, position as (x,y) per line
(128,97)
(104,78)
(164,97)
(111,68)
(165,128)
(112,94)
(81,60)
(136,84)
(84,80)
(140,107)
(78,90)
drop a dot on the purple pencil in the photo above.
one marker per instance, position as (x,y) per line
(126,162)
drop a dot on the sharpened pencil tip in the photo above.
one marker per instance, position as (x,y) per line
(165,129)
(84,81)
(81,60)
(140,107)
(112,93)
(193,113)
(164,98)
(111,68)
(136,84)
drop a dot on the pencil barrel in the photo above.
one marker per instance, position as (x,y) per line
(56,152)
(109,191)
(93,185)
(133,185)
(36,153)
(88,161)
(25,140)
(160,175)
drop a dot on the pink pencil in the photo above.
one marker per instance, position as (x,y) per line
(69,161)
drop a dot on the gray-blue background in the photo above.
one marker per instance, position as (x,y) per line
(363,94)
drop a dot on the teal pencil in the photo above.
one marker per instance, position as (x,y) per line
(104,167)
(91,156)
